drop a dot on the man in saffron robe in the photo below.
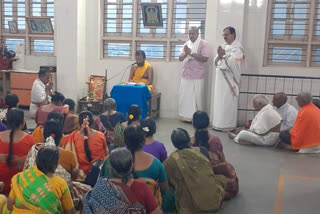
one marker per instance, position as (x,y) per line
(305,134)
(141,71)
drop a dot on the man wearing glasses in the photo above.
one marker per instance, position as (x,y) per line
(228,64)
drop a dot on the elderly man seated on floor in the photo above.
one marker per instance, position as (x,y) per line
(286,111)
(305,134)
(265,127)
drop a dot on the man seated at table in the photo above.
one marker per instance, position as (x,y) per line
(265,127)
(141,71)
(305,134)
(286,111)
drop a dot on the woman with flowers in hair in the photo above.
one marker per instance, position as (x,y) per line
(67,167)
(71,120)
(151,145)
(133,115)
(87,144)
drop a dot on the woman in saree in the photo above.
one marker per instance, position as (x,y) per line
(120,194)
(87,144)
(211,147)
(37,190)
(197,189)
(106,121)
(146,167)
(71,120)
(14,147)
(38,131)
(133,115)
(67,168)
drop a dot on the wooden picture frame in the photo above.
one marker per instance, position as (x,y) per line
(152,14)
(13,27)
(97,86)
(40,25)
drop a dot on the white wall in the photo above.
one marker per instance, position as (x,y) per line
(68,41)
(78,45)
(167,75)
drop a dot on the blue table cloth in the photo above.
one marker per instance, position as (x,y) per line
(126,95)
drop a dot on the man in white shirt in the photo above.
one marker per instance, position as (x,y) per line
(41,91)
(264,129)
(286,111)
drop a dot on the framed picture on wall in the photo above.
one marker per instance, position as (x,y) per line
(97,86)
(152,14)
(13,27)
(40,25)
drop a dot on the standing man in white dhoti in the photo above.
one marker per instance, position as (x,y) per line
(228,64)
(194,55)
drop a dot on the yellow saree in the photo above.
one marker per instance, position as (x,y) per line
(34,190)
(139,73)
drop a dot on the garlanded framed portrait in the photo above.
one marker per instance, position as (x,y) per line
(152,14)
(97,85)
(13,27)
(40,25)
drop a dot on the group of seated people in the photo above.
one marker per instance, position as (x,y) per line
(113,164)
(281,125)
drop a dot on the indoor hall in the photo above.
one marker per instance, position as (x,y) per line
(81,39)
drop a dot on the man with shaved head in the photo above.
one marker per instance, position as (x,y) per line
(286,111)
(305,134)
(265,127)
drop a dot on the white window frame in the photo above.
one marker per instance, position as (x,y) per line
(28,37)
(308,44)
(169,38)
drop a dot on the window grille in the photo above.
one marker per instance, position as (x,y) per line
(293,34)
(124,31)
(18,10)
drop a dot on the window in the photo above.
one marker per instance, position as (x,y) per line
(122,19)
(18,10)
(293,34)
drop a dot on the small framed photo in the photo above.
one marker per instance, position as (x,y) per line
(97,86)
(152,14)
(40,25)
(13,27)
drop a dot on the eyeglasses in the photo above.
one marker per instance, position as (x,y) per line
(226,34)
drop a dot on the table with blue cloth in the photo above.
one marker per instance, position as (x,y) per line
(126,95)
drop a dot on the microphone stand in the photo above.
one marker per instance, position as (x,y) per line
(117,74)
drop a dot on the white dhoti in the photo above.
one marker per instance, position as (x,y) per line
(190,97)
(226,88)
(32,110)
(261,140)
(225,109)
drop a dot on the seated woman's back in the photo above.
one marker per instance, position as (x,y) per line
(132,196)
(191,175)
(97,147)
(20,147)
(147,166)
(54,195)
(87,144)
(14,147)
